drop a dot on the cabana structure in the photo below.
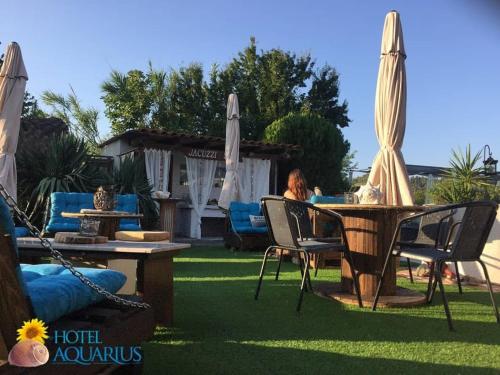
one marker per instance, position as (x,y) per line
(192,168)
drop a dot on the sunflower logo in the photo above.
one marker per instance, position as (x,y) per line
(34,329)
(30,350)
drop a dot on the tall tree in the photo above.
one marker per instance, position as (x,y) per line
(187,100)
(217,90)
(323,148)
(31,109)
(128,100)
(323,97)
(270,84)
(81,121)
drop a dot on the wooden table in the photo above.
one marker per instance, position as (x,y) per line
(110,222)
(155,280)
(369,230)
(167,214)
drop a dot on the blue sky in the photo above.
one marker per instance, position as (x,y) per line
(453,48)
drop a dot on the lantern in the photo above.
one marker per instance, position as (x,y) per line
(490,164)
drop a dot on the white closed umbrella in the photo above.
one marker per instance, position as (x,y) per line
(13,79)
(389,169)
(231,189)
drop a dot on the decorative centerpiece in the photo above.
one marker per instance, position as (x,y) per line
(104,198)
(369,194)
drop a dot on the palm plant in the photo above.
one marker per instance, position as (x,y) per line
(81,121)
(64,165)
(463,181)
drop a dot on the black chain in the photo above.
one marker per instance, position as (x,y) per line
(59,257)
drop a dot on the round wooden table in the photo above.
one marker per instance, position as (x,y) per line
(109,220)
(369,230)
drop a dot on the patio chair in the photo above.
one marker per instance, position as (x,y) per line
(239,233)
(435,230)
(470,234)
(286,230)
(303,216)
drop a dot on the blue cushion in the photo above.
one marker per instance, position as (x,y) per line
(248,229)
(55,292)
(326,199)
(128,203)
(67,202)
(239,214)
(22,232)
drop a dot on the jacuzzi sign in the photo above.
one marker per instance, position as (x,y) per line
(85,347)
(203,154)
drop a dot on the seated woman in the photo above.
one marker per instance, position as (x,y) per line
(297,187)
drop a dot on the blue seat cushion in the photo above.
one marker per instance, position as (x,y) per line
(248,229)
(67,202)
(319,199)
(128,203)
(22,232)
(55,292)
(239,214)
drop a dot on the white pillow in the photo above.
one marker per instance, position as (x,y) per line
(257,221)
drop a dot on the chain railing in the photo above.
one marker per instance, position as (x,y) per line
(21,215)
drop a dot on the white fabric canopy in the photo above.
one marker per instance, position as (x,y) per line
(157,168)
(388,169)
(13,79)
(231,189)
(254,178)
(200,174)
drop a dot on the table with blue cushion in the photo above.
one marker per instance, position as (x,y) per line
(154,270)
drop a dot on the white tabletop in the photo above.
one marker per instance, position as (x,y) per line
(110,246)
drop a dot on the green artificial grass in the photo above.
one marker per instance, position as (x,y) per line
(220,329)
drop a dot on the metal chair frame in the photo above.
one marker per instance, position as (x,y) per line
(450,256)
(304,253)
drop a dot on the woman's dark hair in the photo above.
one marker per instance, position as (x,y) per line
(297,184)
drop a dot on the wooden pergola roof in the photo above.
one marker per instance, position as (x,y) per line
(173,140)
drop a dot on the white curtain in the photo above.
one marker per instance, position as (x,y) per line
(254,177)
(200,174)
(157,168)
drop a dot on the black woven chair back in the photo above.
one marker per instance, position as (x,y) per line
(300,214)
(434,226)
(283,229)
(474,229)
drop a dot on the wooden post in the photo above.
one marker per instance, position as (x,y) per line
(15,307)
(158,287)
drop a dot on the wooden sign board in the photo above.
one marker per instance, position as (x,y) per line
(199,153)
